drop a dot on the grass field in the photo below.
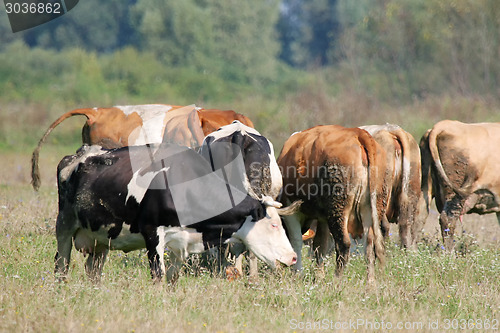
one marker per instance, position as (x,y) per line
(422,291)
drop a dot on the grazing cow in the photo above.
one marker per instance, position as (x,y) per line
(132,125)
(155,197)
(338,173)
(459,169)
(262,178)
(406,204)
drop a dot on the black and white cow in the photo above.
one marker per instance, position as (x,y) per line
(155,197)
(262,176)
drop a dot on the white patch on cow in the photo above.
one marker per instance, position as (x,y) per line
(88,241)
(235,126)
(139,184)
(88,151)
(160,248)
(155,119)
(145,111)
(374,129)
(152,116)
(295,133)
(151,131)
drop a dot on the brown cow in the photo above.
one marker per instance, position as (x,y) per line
(338,174)
(406,204)
(122,126)
(459,168)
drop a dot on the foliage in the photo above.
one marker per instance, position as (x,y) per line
(392,50)
(414,49)
(228,39)
(93,25)
(308,32)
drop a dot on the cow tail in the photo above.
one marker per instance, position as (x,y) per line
(35,172)
(377,200)
(433,148)
(406,170)
(406,156)
(425,160)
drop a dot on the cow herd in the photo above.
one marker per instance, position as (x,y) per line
(187,179)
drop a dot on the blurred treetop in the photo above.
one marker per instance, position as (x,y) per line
(392,49)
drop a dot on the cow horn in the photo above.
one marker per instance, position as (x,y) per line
(270,202)
(290,209)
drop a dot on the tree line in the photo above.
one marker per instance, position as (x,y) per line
(391,49)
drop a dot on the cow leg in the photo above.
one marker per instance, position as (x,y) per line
(406,215)
(385,226)
(94,265)
(238,263)
(447,224)
(321,242)
(448,220)
(294,229)
(498,217)
(369,255)
(238,250)
(421,213)
(154,265)
(176,261)
(220,263)
(155,245)
(64,236)
(405,219)
(404,233)
(342,242)
(252,262)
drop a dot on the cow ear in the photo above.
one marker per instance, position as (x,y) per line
(259,212)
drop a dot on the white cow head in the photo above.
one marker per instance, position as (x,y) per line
(266,238)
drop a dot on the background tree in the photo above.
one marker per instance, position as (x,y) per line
(309,31)
(233,40)
(93,25)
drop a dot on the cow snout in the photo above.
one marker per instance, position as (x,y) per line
(289,260)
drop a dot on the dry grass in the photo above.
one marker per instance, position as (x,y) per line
(415,288)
